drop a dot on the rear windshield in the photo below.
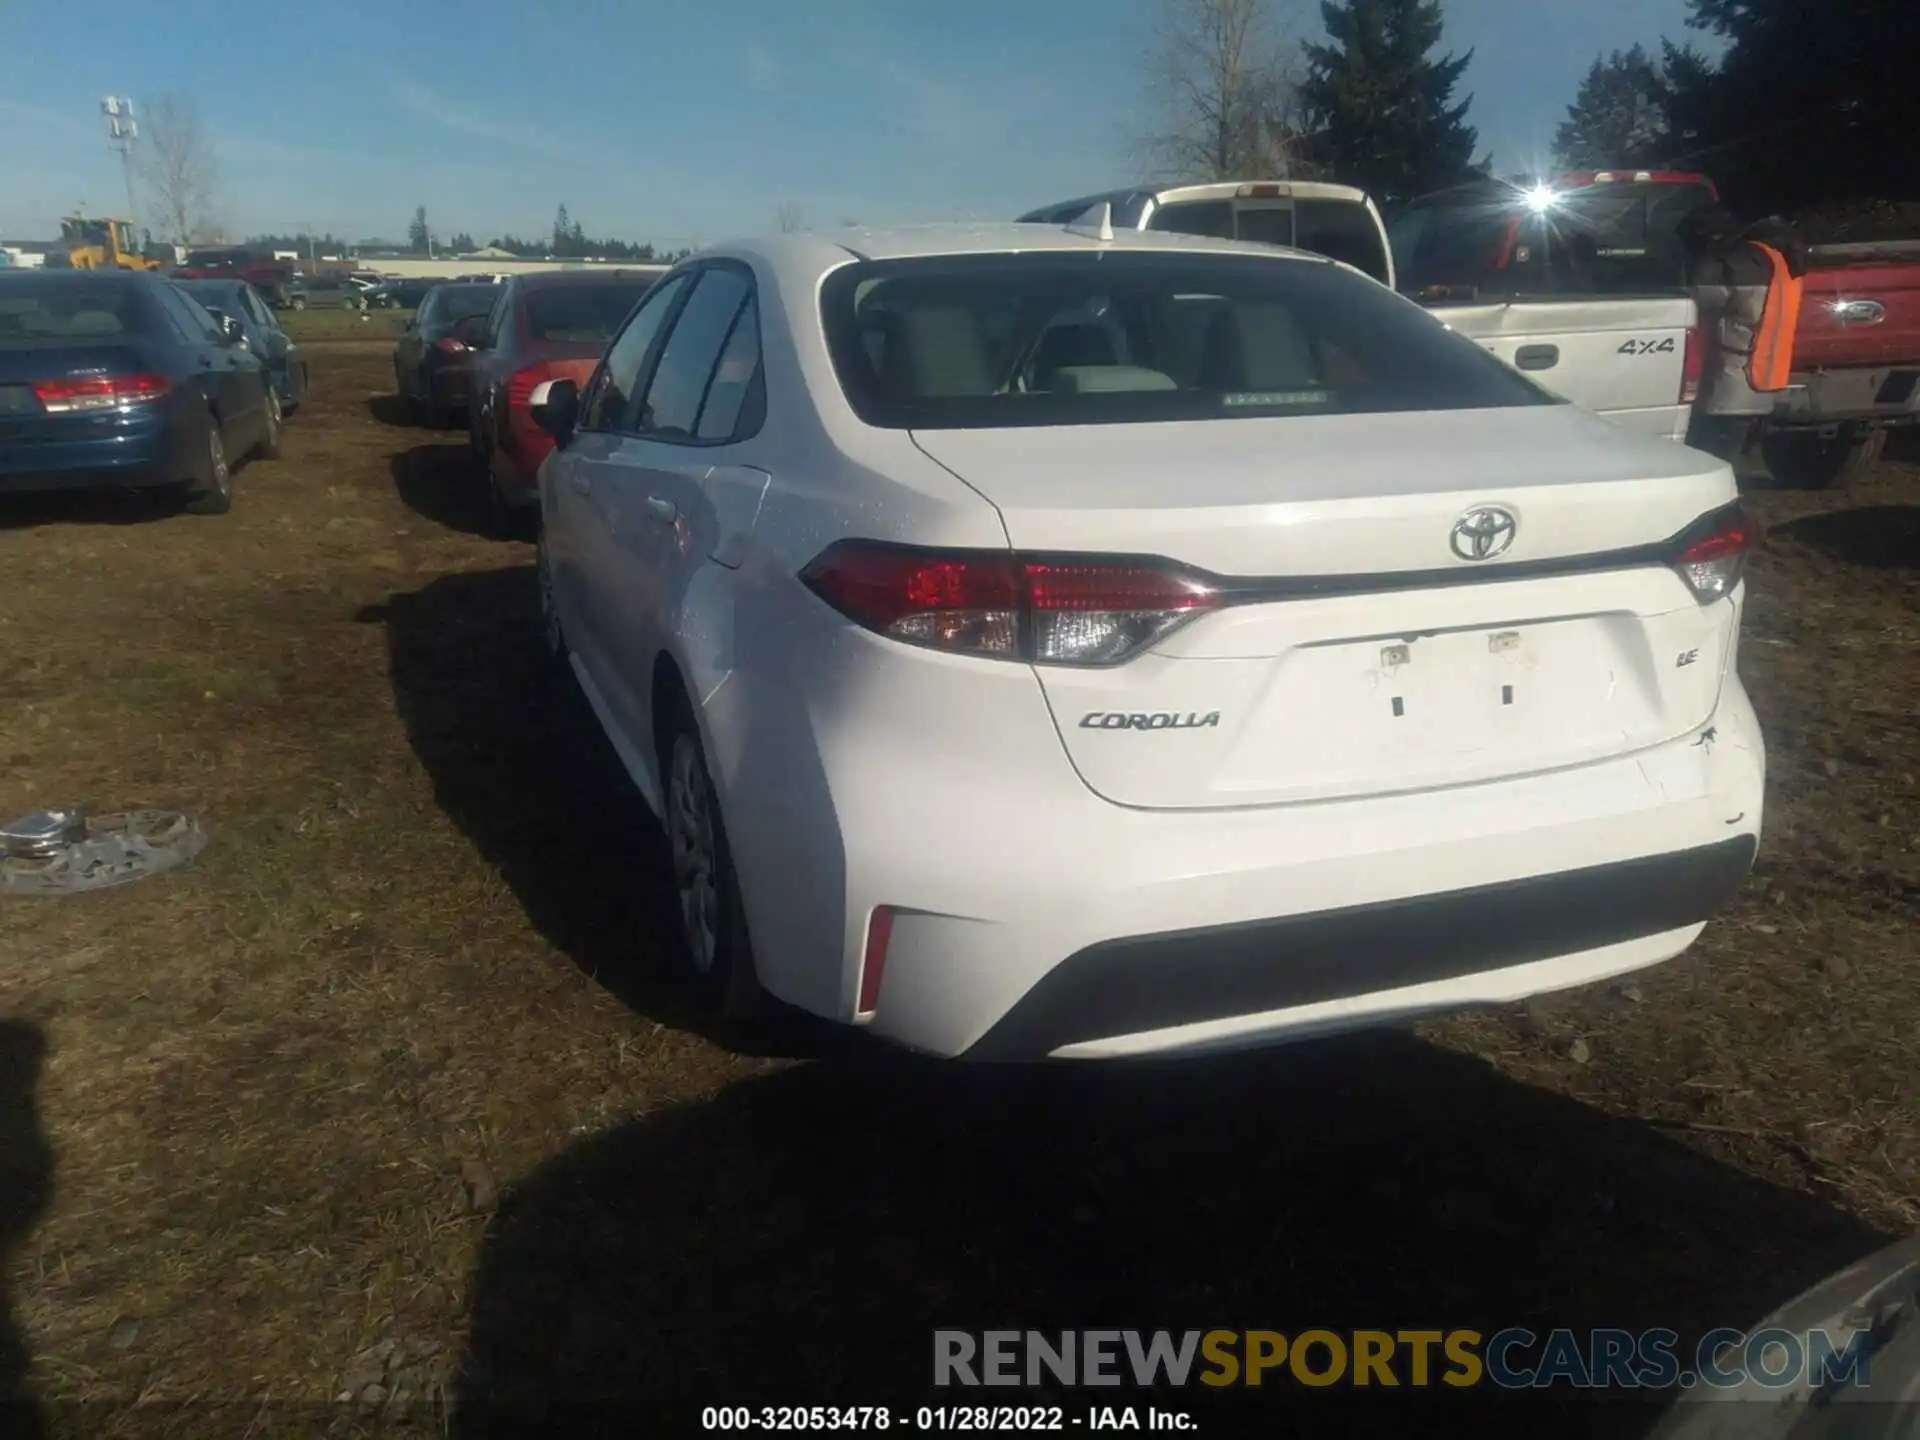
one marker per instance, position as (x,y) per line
(580,314)
(1338,229)
(32,313)
(453,303)
(217,294)
(1084,339)
(1603,240)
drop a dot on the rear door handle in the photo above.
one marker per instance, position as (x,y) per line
(1537,357)
(661,512)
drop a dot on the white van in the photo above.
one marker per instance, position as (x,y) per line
(1333,220)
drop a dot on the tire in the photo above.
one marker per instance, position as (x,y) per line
(299,302)
(1808,462)
(269,448)
(716,955)
(212,493)
(553,635)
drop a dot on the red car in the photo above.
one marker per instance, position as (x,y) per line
(553,325)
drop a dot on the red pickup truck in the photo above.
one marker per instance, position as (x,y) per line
(236,262)
(1856,354)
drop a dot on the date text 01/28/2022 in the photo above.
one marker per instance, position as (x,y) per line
(995,1419)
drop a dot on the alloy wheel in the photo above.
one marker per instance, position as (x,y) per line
(690,833)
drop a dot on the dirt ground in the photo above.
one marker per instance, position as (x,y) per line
(390,1093)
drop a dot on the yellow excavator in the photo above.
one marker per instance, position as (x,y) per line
(99,243)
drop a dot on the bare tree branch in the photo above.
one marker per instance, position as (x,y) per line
(1221,78)
(178,162)
(788,216)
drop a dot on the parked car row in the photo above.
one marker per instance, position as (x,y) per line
(125,379)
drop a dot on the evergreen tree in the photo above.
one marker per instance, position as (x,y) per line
(418,236)
(1812,102)
(1619,118)
(1382,106)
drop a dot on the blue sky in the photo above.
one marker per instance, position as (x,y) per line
(671,120)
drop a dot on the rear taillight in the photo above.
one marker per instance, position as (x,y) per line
(447,345)
(1046,610)
(522,383)
(1692,366)
(99,392)
(1712,556)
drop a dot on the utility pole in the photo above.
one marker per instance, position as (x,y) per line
(122,132)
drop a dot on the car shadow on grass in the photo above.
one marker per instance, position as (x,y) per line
(520,764)
(440,483)
(26,1190)
(1879,537)
(390,410)
(90,507)
(798,1238)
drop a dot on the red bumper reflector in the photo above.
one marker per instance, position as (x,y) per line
(874,963)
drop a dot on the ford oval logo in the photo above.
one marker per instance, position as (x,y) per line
(1859,312)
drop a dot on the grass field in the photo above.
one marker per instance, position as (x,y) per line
(391,1093)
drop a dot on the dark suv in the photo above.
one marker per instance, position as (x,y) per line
(322,292)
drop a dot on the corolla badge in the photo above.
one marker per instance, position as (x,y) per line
(1483,532)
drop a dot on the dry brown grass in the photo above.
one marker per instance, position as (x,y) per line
(423,958)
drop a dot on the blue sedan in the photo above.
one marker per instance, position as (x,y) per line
(122,379)
(286,362)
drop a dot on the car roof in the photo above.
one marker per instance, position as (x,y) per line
(814,253)
(545,279)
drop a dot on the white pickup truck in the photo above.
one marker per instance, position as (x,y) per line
(1571,289)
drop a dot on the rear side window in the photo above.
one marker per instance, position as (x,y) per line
(611,391)
(580,314)
(1211,218)
(32,313)
(672,407)
(193,325)
(735,394)
(1130,337)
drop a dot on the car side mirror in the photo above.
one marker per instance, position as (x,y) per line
(555,408)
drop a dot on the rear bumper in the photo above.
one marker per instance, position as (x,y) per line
(1496,933)
(1873,394)
(139,458)
(1032,918)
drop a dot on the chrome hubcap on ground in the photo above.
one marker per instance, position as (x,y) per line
(690,833)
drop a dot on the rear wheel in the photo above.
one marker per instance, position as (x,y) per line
(1810,462)
(270,440)
(211,493)
(718,960)
(299,302)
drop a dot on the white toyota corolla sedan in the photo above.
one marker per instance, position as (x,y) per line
(1041,644)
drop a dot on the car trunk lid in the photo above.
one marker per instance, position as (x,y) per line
(1359,652)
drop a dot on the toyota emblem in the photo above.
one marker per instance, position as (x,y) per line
(1483,532)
